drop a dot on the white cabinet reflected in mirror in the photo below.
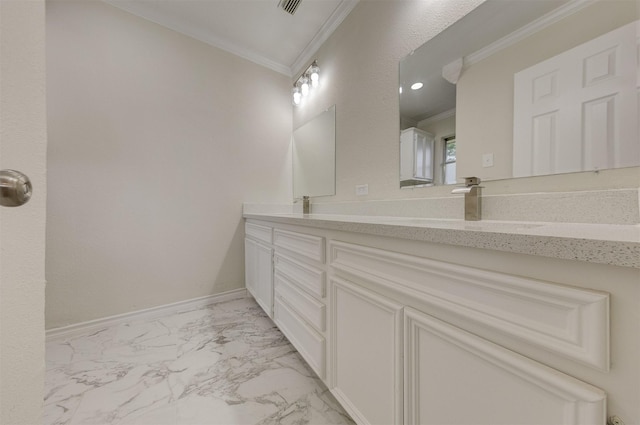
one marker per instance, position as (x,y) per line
(314,156)
(527,88)
(416,157)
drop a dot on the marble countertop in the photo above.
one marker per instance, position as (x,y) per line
(617,245)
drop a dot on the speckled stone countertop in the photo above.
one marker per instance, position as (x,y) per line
(617,245)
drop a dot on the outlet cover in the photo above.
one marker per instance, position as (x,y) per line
(362,189)
(487,160)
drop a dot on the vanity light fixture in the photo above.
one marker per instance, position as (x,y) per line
(309,79)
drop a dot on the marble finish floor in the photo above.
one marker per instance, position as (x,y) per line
(226,363)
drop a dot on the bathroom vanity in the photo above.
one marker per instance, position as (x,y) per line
(425,321)
(442,321)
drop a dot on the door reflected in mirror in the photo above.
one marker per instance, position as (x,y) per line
(508,92)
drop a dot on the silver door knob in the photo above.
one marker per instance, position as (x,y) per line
(15,188)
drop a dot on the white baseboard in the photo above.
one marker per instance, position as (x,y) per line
(148,313)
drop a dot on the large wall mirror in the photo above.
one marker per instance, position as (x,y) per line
(523,88)
(314,156)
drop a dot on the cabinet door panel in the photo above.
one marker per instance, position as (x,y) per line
(366,354)
(259,274)
(250,266)
(454,377)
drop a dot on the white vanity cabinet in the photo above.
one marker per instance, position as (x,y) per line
(404,333)
(397,358)
(258,262)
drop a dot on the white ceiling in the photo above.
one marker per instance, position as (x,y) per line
(257,30)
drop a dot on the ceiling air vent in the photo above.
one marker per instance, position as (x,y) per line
(289,6)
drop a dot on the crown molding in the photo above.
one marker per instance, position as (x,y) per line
(438,117)
(218,42)
(342,11)
(538,25)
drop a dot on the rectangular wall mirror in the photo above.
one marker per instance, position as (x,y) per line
(523,88)
(314,156)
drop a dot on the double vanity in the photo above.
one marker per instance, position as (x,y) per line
(427,321)
(530,315)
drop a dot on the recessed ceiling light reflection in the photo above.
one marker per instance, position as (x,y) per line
(416,86)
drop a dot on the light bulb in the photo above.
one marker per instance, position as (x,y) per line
(314,74)
(315,79)
(297,96)
(304,85)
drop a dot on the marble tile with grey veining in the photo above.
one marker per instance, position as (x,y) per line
(226,363)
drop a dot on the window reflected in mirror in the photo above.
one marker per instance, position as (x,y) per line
(449,167)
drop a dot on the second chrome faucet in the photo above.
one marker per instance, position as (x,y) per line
(306,207)
(472,199)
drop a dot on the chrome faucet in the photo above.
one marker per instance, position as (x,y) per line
(306,208)
(472,200)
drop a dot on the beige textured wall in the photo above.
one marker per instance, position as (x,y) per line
(359,71)
(22,229)
(156,139)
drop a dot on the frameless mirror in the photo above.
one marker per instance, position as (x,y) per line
(522,88)
(314,156)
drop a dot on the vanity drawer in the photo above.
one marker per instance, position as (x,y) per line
(310,309)
(308,246)
(564,320)
(304,276)
(304,338)
(258,232)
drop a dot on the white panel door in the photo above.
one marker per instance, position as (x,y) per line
(455,377)
(22,229)
(366,354)
(578,111)
(259,273)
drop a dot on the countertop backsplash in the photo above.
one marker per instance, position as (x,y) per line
(618,206)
